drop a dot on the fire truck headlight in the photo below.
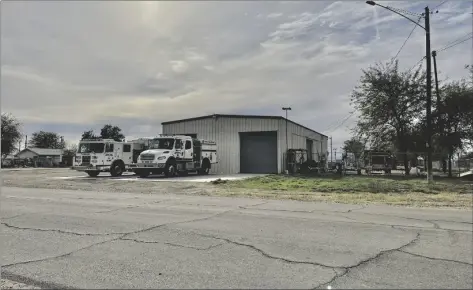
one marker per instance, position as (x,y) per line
(161,157)
(94,157)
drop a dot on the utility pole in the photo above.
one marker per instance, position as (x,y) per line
(429,129)
(437,92)
(429,94)
(26,141)
(286,109)
(434,55)
(287,144)
(331,150)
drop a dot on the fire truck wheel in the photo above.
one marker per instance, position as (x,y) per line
(170,169)
(93,173)
(117,168)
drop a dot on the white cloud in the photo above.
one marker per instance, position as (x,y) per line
(274,15)
(140,63)
(179,66)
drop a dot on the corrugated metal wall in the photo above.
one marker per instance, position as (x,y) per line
(298,136)
(225,131)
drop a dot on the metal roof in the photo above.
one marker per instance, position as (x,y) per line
(240,116)
(43,151)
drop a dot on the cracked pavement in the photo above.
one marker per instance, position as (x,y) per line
(86,239)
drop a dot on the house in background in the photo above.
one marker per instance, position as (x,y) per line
(41,156)
(8,161)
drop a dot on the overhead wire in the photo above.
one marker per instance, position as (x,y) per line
(417,64)
(405,41)
(443,2)
(456,42)
(341,123)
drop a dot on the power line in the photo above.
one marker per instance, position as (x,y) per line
(456,42)
(402,11)
(343,121)
(443,2)
(405,41)
(417,63)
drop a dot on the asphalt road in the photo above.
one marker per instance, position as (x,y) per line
(85,239)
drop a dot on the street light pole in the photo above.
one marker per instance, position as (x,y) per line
(286,109)
(429,94)
(428,81)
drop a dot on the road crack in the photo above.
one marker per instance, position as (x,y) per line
(435,226)
(59,256)
(55,230)
(36,283)
(363,262)
(173,244)
(121,236)
(267,255)
(435,259)
(117,209)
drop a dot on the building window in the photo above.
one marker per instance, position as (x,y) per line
(126,148)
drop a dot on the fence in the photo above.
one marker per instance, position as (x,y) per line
(293,160)
(390,163)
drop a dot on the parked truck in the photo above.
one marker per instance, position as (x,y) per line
(176,155)
(377,161)
(107,155)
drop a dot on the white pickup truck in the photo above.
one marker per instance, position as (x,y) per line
(176,155)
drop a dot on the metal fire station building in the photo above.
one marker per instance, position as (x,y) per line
(248,143)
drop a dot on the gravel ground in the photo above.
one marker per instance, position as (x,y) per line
(49,178)
(65,178)
(8,284)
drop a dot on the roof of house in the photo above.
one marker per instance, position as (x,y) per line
(240,116)
(44,151)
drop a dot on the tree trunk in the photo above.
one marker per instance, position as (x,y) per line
(444,165)
(450,155)
(406,163)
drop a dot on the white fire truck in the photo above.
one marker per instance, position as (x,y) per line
(176,155)
(107,155)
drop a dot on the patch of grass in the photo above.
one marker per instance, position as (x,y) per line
(353,184)
(355,189)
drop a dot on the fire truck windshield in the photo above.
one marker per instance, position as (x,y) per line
(162,143)
(91,148)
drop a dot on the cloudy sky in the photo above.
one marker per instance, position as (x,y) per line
(70,66)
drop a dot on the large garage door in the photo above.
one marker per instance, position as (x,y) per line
(259,152)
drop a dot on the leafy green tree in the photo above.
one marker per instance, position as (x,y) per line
(11,134)
(89,135)
(389,101)
(112,132)
(454,118)
(354,145)
(69,153)
(50,140)
(107,132)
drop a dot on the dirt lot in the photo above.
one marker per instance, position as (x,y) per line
(350,189)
